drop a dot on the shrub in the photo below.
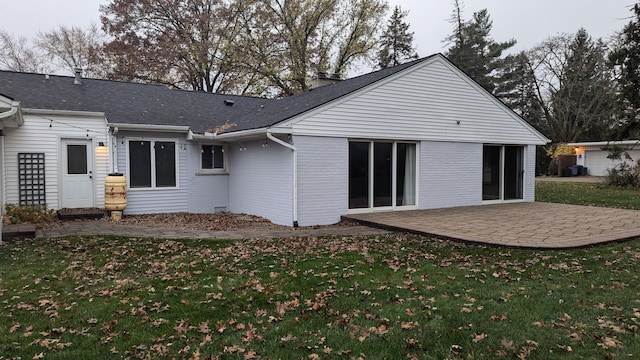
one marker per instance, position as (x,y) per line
(624,174)
(32,214)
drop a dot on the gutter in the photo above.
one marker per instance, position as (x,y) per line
(295,173)
(63,112)
(146,127)
(15,109)
(11,112)
(239,135)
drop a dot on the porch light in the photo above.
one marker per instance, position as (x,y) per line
(101,144)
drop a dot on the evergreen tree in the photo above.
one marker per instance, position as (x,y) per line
(517,90)
(396,44)
(582,104)
(474,51)
(626,60)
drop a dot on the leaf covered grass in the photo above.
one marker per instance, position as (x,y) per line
(389,296)
(589,194)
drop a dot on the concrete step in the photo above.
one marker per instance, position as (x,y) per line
(74,214)
(18,231)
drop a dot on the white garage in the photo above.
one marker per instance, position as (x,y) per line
(593,156)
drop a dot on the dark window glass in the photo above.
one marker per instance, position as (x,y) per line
(491,173)
(358,175)
(513,172)
(212,157)
(218,157)
(207,157)
(76,159)
(140,163)
(165,152)
(382,173)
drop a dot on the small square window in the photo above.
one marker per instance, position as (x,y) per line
(212,157)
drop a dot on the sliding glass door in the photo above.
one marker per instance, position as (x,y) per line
(502,172)
(382,174)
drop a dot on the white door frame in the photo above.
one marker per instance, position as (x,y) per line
(90,199)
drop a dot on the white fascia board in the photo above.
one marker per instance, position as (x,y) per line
(605,143)
(147,127)
(42,112)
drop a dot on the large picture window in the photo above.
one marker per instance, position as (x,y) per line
(381,174)
(152,164)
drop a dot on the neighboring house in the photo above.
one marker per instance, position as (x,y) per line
(421,135)
(593,155)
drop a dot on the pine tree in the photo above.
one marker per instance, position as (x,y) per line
(582,104)
(474,51)
(396,41)
(625,57)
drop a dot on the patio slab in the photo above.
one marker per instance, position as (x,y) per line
(529,225)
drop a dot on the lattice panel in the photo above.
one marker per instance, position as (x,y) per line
(31,179)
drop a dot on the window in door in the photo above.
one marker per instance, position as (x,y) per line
(358,174)
(502,172)
(76,159)
(381,174)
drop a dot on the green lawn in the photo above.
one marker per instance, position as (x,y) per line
(591,194)
(388,296)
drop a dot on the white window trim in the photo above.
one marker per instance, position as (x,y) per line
(153,187)
(393,207)
(223,171)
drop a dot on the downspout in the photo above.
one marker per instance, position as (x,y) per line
(295,174)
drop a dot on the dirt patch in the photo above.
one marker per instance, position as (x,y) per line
(222,221)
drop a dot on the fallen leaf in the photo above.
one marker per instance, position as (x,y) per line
(477,338)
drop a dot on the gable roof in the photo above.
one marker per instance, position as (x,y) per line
(142,104)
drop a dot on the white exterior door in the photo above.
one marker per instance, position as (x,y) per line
(77,174)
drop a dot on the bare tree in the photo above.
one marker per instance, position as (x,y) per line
(573,86)
(72,47)
(287,42)
(18,54)
(185,44)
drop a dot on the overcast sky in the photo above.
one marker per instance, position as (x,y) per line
(529,22)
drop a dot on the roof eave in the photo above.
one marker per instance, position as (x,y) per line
(148,127)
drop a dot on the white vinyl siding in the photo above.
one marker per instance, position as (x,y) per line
(158,200)
(208,193)
(261,180)
(43,134)
(323,178)
(432,101)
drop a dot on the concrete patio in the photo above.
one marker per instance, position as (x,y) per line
(530,225)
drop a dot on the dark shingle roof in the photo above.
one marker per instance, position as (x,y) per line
(133,103)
